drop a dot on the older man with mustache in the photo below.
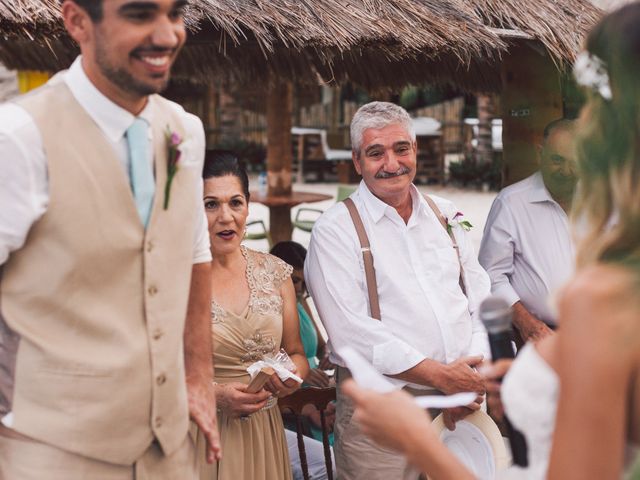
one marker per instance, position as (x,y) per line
(414,318)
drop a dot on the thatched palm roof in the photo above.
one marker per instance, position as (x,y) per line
(560,25)
(371,42)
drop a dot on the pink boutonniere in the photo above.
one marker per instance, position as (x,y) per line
(173,161)
(458,219)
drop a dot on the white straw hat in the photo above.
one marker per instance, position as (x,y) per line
(477,443)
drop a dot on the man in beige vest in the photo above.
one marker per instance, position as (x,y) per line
(105,340)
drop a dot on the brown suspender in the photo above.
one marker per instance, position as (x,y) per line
(445,225)
(367,256)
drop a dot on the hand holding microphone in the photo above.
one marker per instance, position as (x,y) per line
(495,314)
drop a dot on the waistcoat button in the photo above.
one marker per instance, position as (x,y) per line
(160,379)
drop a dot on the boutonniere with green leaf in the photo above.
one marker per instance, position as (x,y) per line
(173,161)
(459,220)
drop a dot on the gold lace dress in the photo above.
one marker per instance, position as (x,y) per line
(254,448)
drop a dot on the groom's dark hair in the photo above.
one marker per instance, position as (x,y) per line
(92,7)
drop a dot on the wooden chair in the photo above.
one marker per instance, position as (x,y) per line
(319,398)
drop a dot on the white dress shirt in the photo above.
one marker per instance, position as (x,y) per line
(24,188)
(424,312)
(527,248)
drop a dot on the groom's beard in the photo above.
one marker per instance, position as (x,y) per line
(123,79)
(401,171)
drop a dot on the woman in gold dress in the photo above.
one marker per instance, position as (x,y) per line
(253,314)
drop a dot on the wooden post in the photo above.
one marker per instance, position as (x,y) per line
(279,157)
(531,99)
(209,117)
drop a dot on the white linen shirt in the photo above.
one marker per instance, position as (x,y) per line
(526,247)
(24,187)
(424,312)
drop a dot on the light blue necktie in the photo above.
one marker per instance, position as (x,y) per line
(142,182)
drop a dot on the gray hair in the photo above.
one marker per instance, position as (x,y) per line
(378,115)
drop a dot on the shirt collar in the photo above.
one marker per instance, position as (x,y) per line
(112,119)
(539,192)
(377,208)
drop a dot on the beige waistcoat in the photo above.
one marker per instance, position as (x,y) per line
(99,304)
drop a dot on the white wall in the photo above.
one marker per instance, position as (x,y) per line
(8,84)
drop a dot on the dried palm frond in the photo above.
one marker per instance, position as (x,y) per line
(373,43)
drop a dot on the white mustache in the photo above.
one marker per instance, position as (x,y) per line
(397,173)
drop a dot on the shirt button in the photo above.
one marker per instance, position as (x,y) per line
(150,246)
(152,290)
(158,422)
(160,379)
(157,334)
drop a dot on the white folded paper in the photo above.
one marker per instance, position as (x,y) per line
(367,376)
(446,401)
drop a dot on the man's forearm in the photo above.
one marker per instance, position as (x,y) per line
(427,372)
(529,326)
(197,332)
(523,317)
(457,376)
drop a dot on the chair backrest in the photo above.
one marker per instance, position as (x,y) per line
(258,233)
(344,191)
(294,403)
(309,143)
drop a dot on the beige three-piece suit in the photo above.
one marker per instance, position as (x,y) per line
(93,310)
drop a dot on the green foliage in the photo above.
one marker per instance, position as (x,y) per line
(469,173)
(409,97)
(466,225)
(413,97)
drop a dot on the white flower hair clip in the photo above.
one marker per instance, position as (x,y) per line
(591,72)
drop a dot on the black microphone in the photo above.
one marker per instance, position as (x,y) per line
(495,314)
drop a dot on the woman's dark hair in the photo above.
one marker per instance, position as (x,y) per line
(220,163)
(291,252)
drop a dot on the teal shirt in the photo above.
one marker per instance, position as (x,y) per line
(309,336)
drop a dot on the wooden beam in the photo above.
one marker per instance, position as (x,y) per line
(279,156)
